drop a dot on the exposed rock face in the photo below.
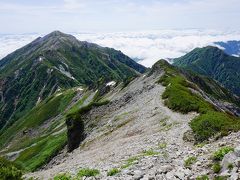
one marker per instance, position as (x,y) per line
(75,132)
(231,164)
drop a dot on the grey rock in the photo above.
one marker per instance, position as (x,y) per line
(227,160)
(237,162)
(170,175)
(237,151)
(234,176)
(165,169)
(138,174)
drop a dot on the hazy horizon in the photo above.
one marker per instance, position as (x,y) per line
(44,16)
(145,46)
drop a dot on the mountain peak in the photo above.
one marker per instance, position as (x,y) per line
(55,35)
(58,34)
(215,63)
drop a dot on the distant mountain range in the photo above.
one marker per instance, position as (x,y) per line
(215,63)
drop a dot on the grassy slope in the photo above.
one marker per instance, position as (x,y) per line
(179,98)
(40,148)
(214,63)
(25,78)
(39,154)
(45,110)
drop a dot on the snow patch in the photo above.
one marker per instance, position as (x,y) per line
(40,59)
(111,83)
(58,94)
(39,100)
(66,73)
(79,89)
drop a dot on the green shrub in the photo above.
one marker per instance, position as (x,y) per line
(162,145)
(221,178)
(130,161)
(209,124)
(179,97)
(216,167)
(9,170)
(88,172)
(190,161)
(62,177)
(230,166)
(203,177)
(149,152)
(113,172)
(219,154)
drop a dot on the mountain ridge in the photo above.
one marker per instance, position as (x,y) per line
(55,61)
(213,62)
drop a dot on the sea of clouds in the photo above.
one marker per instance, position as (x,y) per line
(145,46)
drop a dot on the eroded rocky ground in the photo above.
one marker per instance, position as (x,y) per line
(142,138)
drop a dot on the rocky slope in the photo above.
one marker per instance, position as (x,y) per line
(214,63)
(138,136)
(56,61)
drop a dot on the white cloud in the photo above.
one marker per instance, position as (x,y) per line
(148,46)
(9,43)
(71,5)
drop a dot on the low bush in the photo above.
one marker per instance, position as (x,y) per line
(230,166)
(63,177)
(88,172)
(162,145)
(190,161)
(131,161)
(149,152)
(9,170)
(113,172)
(216,167)
(213,122)
(219,154)
(221,178)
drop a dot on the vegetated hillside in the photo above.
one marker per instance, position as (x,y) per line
(148,128)
(214,63)
(230,47)
(56,61)
(40,134)
(203,96)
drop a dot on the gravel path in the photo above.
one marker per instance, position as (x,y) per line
(144,129)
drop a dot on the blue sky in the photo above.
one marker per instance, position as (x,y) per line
(24,16)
